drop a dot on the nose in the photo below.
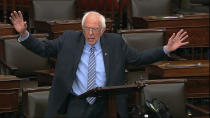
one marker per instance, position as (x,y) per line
(90,32)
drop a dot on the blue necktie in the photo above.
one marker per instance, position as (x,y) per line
(91,74)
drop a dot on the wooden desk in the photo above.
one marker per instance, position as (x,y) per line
(57,27)
(196,72)
(9,87)
(186,20)
(6,29)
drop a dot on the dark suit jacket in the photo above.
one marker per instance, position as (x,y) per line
(68,49)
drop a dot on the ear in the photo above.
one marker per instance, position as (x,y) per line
(103,30)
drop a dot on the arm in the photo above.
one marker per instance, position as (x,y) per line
(44,48)
(156,54)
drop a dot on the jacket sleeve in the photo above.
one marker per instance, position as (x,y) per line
(136,57)
(44,48)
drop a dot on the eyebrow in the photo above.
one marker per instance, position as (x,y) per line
(91,27)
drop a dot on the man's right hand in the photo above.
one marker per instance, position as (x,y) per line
(19,24)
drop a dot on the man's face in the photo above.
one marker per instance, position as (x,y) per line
(92,29)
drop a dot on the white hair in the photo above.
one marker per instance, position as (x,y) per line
(102,18)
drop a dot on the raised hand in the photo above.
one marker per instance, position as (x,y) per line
(19,24)
(176,41)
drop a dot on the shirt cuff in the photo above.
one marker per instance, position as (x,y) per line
(167,53)
(20,39)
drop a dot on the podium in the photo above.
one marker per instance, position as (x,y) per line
(139,86)
(111,93)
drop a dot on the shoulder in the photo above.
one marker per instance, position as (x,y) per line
(113,40)
(71,32)
(70,35)
(111,35)
(114,37)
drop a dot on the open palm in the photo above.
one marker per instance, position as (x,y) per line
(18,22)
(176,41)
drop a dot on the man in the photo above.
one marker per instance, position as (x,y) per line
(86,60)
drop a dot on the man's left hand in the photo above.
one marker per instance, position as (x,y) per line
(176,41)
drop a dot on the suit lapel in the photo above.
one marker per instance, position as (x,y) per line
(105,51)
(78,52)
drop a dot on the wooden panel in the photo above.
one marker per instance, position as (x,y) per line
(56,28)
(141,30)
(201,84)
(9,89)
(9,82)
(198,35)
(186,20)
(6,29)
(196,72)
(186,68)
(8,100)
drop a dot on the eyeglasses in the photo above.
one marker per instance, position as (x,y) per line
(94,30)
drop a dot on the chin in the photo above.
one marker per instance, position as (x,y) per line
(91,43)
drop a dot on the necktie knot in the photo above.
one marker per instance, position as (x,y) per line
(92,49)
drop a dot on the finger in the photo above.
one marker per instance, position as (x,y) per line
(13,16)
(20,14)
(184,43)
(16,14)
(172,36)
(11,20)
(183,34)
(184,38)
(179,32)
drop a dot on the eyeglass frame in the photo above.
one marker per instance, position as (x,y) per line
(94,30)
